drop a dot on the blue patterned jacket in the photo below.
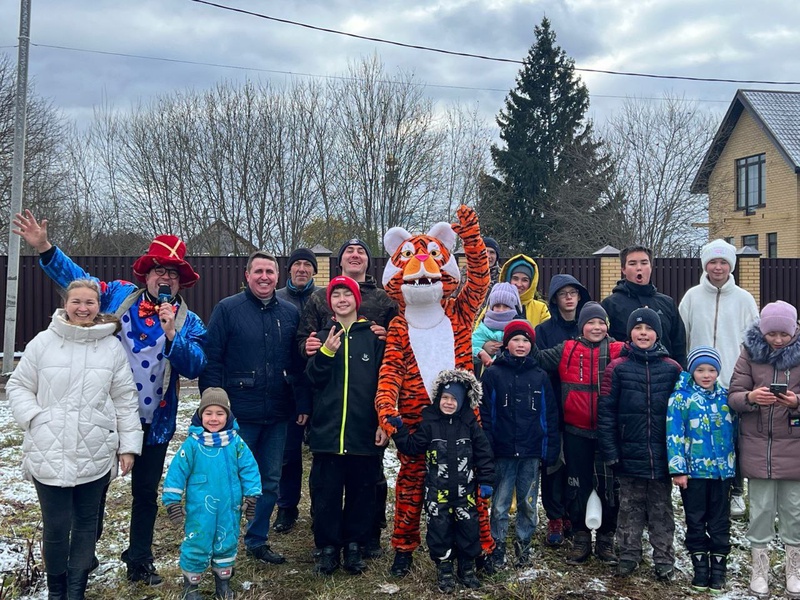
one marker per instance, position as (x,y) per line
(701,429)
(185,355)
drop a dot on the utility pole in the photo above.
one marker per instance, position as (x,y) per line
(17,179)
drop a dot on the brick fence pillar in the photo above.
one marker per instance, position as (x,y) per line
(748,262)
(323,276)
(609,269)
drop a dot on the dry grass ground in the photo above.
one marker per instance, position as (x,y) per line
(548,577)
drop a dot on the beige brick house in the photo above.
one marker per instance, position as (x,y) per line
(751,174)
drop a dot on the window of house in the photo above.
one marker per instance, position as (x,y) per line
(772,245)
(730,240)
(751,183)
(750,240)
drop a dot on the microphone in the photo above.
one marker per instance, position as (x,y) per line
(164,294)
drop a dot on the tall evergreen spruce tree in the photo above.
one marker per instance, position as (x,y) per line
(547,149)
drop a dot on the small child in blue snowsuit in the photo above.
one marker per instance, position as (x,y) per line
(217,471)
(701,429)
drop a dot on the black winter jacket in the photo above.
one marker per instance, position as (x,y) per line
(251,354)
(344,419)
(556,330)
(632,414)
(519,411)
(297,297)
(627,297)
(375,306)
(457,453)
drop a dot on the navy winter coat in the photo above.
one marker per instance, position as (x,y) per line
(519,412)
(632,414)
(251,354)
(627,297)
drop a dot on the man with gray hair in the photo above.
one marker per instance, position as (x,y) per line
(716,313)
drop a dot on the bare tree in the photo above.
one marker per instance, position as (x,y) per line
(44,168)
(657,148)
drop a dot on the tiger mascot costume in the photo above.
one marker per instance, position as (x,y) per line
(433,332)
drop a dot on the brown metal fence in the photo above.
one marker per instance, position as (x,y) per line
(780,280)
(222,276)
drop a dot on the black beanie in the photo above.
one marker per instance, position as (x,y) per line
(492,243)
(355,242)
(647,316)
(591,310)
(456,389)
(302,254)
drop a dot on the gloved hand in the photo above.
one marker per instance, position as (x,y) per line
(249,507)
(176,514)
(396,422)
(486,491)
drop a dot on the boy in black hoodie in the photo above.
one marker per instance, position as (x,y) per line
(459,460)
(632,430)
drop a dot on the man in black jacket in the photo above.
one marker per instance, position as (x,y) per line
(634,291)
(298,290)
(252,355)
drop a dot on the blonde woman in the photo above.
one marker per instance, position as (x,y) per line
(73,395)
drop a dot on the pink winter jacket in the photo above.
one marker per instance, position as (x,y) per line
(769,436)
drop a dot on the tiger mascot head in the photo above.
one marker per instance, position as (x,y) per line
(422,268)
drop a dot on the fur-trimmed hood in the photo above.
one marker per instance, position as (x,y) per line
(760,351)
(474,389)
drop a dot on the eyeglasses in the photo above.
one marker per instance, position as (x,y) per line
(567,294)
(171,273)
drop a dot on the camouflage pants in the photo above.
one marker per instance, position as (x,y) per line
(645,502)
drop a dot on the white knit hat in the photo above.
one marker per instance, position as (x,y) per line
(718,249)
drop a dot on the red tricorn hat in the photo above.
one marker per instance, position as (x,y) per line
(166,251)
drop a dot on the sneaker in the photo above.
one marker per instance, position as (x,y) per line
(466,574)
(581,548)
(402,563)
(285,520)
(372,549)
(353,563)
(523,552)
(664,572)
(555,532)
(444,576)
(265,555)
(95,565)
(142,571)
(326,561)
(498,558)
(738,507)
(604,549)
(626,567)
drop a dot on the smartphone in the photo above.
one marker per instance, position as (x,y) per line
(778,388)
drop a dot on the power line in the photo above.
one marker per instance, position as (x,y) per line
(335,77)
(482,57)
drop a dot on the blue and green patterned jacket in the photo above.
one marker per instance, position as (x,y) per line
(701,430)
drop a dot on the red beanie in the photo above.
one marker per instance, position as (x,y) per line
(350,284)
(518,327)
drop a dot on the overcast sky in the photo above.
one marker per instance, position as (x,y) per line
(731,39)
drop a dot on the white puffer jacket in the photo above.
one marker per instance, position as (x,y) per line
(73,395)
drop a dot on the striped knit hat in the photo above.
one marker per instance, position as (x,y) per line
(703,355)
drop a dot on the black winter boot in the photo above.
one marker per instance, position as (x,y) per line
(402,563)
(191,582)
(327,561)
(604,548)
(701,571)
(222,584)
(719,568)
(444,577)
(76,583)
(466,573)
(57,586)
(353,563)
(581,548)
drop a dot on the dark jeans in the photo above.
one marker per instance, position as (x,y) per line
(737,489)
(554,486)
(69,522)
(292,471)
(707,505)
(334,476)
(145,477)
